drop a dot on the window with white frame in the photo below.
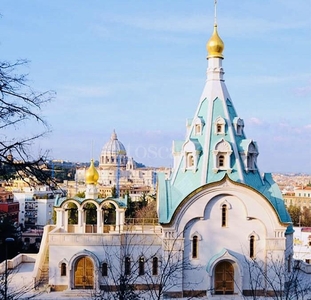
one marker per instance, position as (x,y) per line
(220,125)
(250,155)
(191,150)
(238,125)
(195,245)
(198,125)
(222,155)
(155,266)
(190,160)
(252,246)
(224,217)
(197,129)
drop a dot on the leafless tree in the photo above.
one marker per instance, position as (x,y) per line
(120,270)
(276,279)
(13,289)
(20,106)
(148,211)
(142,267)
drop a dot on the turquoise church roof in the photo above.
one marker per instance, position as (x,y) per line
(215,146)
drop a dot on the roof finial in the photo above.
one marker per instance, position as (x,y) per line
(215,45)
(215,12)
(92,151)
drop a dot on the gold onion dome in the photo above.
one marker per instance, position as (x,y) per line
(91,175)
(215,46)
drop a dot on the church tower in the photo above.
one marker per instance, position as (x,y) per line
(217,207)
(216,146)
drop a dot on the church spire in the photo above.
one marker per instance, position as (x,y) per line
(215,46)
(215,148)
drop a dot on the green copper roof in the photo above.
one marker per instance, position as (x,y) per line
(121,202)
(215,146)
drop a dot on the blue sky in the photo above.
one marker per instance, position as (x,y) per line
(139,67)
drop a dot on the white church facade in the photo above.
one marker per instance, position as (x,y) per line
(223,230)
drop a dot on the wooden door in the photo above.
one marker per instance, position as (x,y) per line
(224,278)
(84,274)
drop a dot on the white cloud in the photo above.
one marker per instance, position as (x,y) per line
(304,91)
(255,121)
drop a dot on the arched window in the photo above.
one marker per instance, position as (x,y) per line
(221,157)
(224,215)
(155,266)
(238,125)
(220,125)
(127,266)
(239,129)
(141,268)
(252,246)
(190,160)
(63,269)
(197,129)
(104,269)
(221,161)
(195,245)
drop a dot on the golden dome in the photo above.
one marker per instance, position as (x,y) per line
(91,175)
(215,46)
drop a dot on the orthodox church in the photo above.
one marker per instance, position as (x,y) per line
(222,226)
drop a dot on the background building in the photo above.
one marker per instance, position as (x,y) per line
(8,207)
(36,205)
(119,173)
(300,197)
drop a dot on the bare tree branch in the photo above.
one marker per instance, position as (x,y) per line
(20,106)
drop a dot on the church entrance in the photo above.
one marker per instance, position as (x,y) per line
(224,278)
(84,273)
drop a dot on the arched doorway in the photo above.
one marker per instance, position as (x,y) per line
(84,273)
(224,278)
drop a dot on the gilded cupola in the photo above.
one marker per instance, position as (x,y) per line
(91,175)
(215,46)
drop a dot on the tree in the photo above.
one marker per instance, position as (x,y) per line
(18,290)
(135,266)
(306,217)
(295,214)
(81,194)
(172,265)
(8,230)
(20,106)
(276,279)
(148,211)
(131,206)
(72,213)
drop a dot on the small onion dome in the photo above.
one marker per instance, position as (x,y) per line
(215,46)
(91,175)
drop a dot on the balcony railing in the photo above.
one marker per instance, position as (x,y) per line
(131,225)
